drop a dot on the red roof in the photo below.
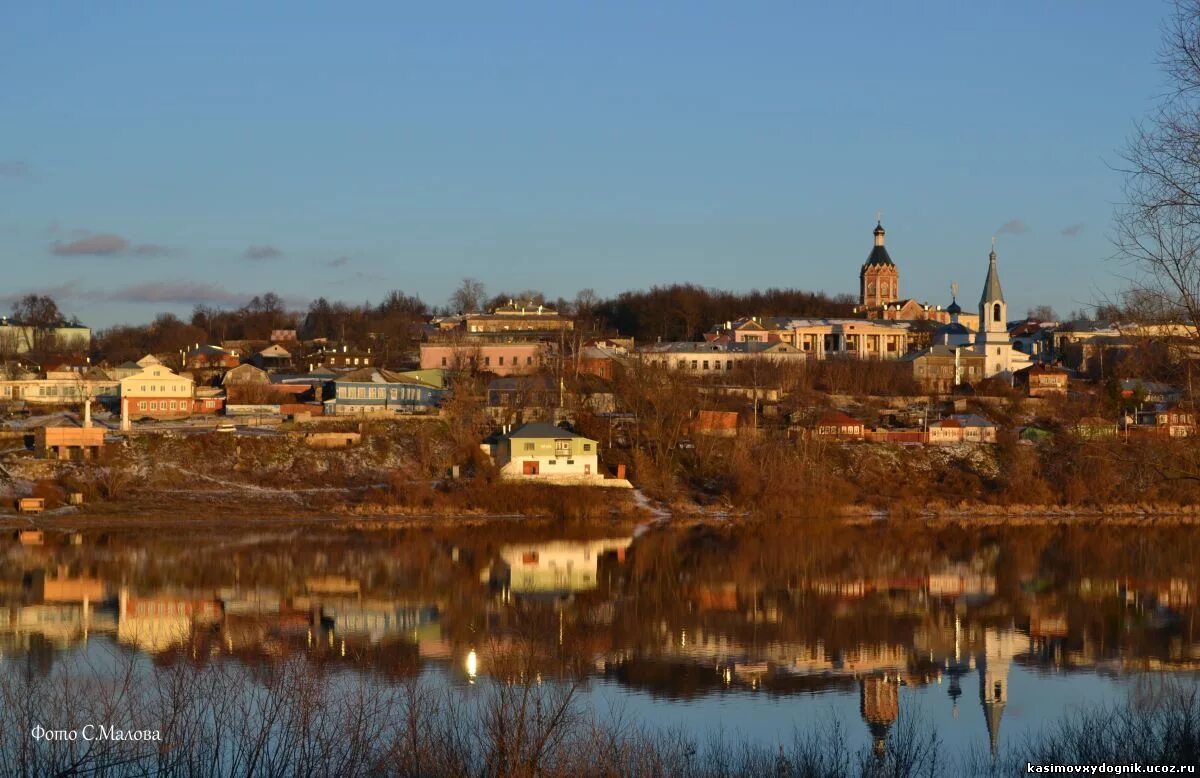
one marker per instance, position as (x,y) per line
(716,420)
(831,418)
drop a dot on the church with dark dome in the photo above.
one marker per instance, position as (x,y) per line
(879,279)
(879,288)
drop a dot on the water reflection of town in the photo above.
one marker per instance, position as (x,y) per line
(675,614)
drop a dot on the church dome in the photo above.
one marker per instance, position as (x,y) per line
(879,254)
(953,308)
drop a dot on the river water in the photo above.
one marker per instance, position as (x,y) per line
(987,635)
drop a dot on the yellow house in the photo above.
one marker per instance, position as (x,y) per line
(157,392)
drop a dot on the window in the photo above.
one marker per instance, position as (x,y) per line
(487,360)
(693,364)
(173,406)
(529,447)
(529,360)
(996,312)
(552,462)
(570,461)
(706,364)
(142,405)
(443,361)
(729,364)
(587,446)
(153,406)
(502,361)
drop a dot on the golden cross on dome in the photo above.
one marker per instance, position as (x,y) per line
(879,217)
(954,290)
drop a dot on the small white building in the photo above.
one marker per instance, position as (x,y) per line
(962,428)
(544,452)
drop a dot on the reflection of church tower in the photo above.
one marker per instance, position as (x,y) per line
(880,707)
(879,279)
(998,650)
(957,668)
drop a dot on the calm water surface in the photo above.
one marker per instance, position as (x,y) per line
(987,634)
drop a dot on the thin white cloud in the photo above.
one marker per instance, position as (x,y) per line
(13,168)
(262,252)
(101,245)
(1013,227)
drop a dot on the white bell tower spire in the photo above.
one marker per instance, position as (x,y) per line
(992,341)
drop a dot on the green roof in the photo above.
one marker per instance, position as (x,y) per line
(542,430)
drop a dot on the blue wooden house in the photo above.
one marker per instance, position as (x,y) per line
(375,390)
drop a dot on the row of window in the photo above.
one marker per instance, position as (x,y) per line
(68,390)
(487,361)
(379,393)
(176,388)
(558,450)
(163,405)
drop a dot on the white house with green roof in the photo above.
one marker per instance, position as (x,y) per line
(544,452)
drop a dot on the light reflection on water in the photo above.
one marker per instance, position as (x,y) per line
(984,635)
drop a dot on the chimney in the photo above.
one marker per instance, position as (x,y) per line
(87,414)
(125,414)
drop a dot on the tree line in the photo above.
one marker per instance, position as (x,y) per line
(393,325)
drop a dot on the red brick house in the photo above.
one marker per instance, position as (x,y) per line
(1043,380)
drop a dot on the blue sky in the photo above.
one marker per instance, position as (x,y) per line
(157,155)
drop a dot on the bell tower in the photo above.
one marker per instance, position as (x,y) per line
(991,339)
(879,279)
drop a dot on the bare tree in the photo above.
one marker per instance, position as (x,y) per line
(40,315)
(469,296)
(586,301)
(1158,226)
(1042,313)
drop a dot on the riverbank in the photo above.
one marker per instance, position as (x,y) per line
(222,510)
(399,476)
